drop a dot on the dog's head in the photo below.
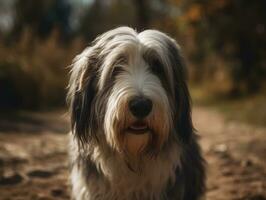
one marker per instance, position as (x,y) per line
(130,90)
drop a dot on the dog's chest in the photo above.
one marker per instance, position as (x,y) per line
(116,181)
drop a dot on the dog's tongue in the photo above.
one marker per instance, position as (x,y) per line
(139,126)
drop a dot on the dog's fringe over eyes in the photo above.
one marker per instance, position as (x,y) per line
(131,130)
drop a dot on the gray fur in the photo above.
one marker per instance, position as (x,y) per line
(101,169)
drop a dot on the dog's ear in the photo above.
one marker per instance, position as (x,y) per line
(81,95)
(183,122)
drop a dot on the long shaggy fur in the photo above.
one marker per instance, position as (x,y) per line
(106,164)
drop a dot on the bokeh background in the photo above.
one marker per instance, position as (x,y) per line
(224,43)
(223,40)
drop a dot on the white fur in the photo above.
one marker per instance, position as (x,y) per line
(125,184)
(136,80)
(113,179)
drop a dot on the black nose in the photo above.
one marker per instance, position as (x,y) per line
(140,107)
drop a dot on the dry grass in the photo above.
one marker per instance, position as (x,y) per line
(34,71)
(249,109)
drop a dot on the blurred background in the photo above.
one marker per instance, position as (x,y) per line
(224,43)
(223,40)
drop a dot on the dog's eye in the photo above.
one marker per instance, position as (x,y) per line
(157,67)
(117,70)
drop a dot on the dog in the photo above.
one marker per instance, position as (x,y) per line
(132,136)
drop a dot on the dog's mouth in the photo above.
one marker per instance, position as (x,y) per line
(137,137)
(138,128)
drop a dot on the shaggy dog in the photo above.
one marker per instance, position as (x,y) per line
(132,136)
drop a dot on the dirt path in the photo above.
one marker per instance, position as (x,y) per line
(236,156)
(33,159)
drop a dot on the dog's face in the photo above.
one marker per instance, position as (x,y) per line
(129,89)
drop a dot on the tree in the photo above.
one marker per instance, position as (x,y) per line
(234,30)
(41,17)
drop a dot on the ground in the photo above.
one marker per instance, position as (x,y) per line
(33,156)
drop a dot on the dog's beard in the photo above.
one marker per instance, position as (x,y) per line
(136,140)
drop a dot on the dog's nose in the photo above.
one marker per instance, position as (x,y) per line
(140,107)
